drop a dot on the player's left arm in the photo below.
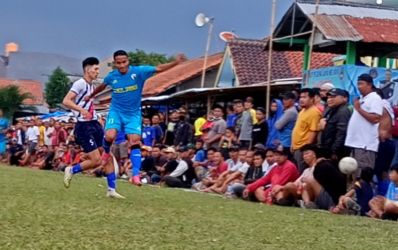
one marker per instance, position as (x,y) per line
(163,67)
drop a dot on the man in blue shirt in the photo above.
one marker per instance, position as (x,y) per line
(3,130)
(127,83)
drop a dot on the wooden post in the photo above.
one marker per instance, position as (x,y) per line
(269,74)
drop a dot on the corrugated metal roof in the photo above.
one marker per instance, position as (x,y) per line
(337,28)
(341,10)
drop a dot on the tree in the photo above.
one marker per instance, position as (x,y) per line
(140,57)
(57,87)
(11,100)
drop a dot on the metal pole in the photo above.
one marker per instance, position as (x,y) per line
(312,36)
(268,95)
(202,83)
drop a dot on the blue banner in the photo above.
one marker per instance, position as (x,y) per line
(346,77)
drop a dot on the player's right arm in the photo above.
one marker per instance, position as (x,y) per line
(69,101)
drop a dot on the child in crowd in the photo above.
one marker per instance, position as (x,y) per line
(227,141)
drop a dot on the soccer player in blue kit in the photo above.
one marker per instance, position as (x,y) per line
(88,131)
(124,114)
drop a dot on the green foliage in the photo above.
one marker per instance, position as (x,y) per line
(11,100)
(140,57)
(57,87)
(37,212)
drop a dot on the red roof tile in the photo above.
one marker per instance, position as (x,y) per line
(182,72)
(375,30)
(250,59)
(26,86)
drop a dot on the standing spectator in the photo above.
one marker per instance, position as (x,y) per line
(59,135)
(218,128)
(171,127)
(183,132)
(231,116)
(157,129)
(162,122)
(148,137)
(334,125)
(286,123)
(199,158)
(3,130)
(276,112)
(47,134)
(362,132)
(244,123)
(20,133)
(307,126)
(249,107)
(386,149)
(198,125)
(318,100)
(324,89)
(260,129)
(32,136)
(42,130)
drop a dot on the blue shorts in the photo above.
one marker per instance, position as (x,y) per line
(130,124)
(89,135)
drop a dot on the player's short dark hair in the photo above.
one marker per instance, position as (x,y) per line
(311,92)
(90,61)
(120,53)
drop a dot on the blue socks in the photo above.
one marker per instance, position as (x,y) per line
(111,179)
(76,169)
(135,158)
(106,145)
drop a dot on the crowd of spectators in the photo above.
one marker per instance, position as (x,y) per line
(289,159)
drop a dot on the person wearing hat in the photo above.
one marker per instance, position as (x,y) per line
(324,89)
(286,123)
(334,124)
(362,132)
(284,172)
(184,173)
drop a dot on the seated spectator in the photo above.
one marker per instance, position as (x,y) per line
(281,174)
(147,165)
(238,176)
(237,157)
(288,194)
(171,163)
(159,161)
(44,158)
(325,189)
(387,207)
(15,152)
(227,141)
(356,200)
(218,167)
(201,169)
(184,173)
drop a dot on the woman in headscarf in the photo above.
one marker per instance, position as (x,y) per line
(276,111)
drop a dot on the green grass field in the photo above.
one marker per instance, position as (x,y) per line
(37,212)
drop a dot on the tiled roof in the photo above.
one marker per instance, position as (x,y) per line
(250,59)
(26,86)
(182,72)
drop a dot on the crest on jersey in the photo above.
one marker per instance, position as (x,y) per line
(114,81)
(133,76)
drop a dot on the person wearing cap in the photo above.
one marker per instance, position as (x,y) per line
(284,172)
(260,129)
(324,89)
(184,173)
(362,133)
(171,163)
(286,123)
(334,124)
(306,128)
(147,164)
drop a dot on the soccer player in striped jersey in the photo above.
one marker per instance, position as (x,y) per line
(88,132)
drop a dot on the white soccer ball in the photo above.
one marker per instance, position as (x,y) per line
(348,165)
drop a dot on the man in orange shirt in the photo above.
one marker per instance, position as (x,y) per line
(307,126)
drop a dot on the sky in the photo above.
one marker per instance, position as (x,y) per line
(81,28)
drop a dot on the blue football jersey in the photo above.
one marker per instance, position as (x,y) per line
(127,88)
